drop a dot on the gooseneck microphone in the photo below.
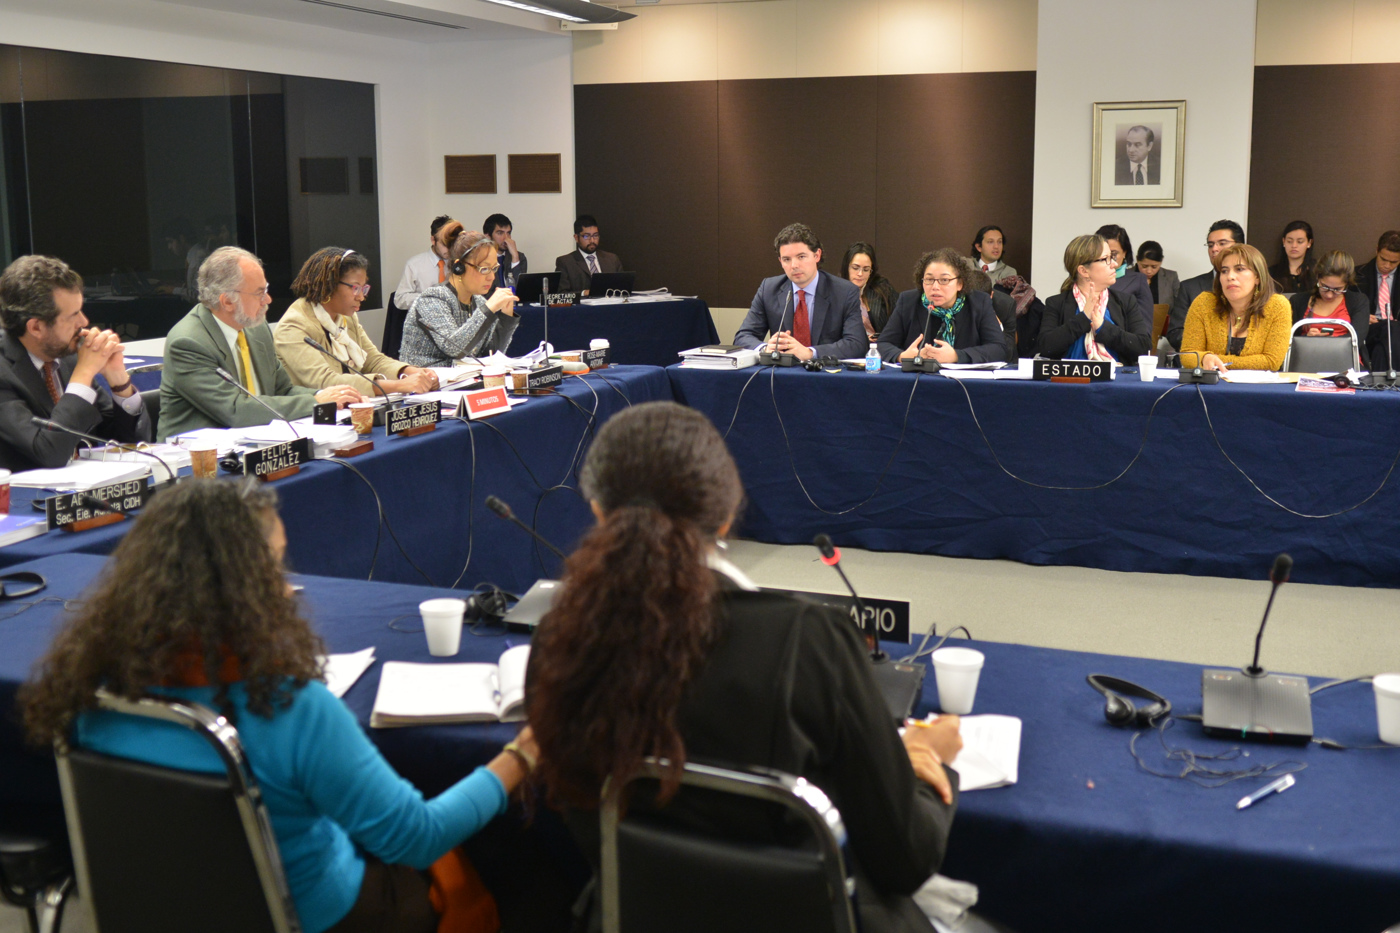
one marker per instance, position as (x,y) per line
(227,377)
(103,442)
(831,556)
(1283,565)
(499,507)
(311,342)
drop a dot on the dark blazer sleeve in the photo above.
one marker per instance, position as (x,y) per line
(574,276)
(844,301)
(1189,291)
(902,327)
(608,262)
(1127,339)
(756,326)
(1359,309)
(985,342)
(1060,326)
(1168,284)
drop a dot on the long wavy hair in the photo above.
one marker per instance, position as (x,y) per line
(1263,285)
(635,621)
(193,588)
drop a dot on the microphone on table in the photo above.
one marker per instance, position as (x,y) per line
(776,357)
(311,342)
(499,507)
(1278,576)
(101,441)
(226,377)
(831,556)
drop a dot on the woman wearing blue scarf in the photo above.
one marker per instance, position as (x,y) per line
(1088,322)
(940,319)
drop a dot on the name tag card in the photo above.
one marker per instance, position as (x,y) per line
(413,419)
(1073,370)
(68,512)
(887,618)
(324,413)
(544,379)
(562,299)
(598,359)
(279,460)
(484,403)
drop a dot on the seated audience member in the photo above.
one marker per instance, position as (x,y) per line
(877,296)
(425,269)
(195,607)
(229,331)
(1333,297)
(1127,281)
(1087,320)
(1222,233)
(455,319)
(1241,323)
(1162,283)
(942,318)
(987,249)
(329,289)
(578,266)
(1293,272)
(49,366)
(1003,305)
(513,263)
(804,311)
(1379,283)
(721,672)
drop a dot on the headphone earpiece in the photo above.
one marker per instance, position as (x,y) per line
(1120,710)
(458,266)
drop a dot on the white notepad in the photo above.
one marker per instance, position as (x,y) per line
(422,694)
(342,670)
(991,752)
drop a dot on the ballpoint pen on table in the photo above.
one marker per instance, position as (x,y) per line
(1273,787)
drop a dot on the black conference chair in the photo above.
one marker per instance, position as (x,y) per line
(1321,354)
(158,848)
(151,399)
(658,875)
(36,875)
(394,316)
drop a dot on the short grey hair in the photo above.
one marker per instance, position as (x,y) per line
(221,275)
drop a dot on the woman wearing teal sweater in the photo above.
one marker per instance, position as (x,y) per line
(194,605)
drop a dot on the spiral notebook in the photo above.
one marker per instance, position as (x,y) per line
(423,694)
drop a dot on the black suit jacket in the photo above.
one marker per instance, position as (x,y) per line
(1123,174)
(24,395)
(1129,337)
(834,317)
(1376,337)
(1189,291)
(576,272)
(506,267)
(977,334)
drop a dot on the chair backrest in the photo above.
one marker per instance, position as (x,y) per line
(1160,315)
(394,318)
(658,875)
(159,848)
(1321,354)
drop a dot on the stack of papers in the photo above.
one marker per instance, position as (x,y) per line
(324,437)
(342,670)
(423,694)
(1254,376)
(719,356)
(991,752)
(172,455)
(81,475)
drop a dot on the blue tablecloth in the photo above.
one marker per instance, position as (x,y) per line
(650,333)
(821,452)
(1084,841)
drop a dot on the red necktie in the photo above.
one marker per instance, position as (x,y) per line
(51,380)
(801,327)
(442,271)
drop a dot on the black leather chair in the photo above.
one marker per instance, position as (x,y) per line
(158,848)
(394,316)
(1321,354)
(660,875)
(36,875)
(151,399)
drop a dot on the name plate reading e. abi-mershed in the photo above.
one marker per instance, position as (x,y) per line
(68,509)
(546,378)
(1073,370)
(412,419)
(278,460)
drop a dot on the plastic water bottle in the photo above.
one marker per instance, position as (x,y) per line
(872,359)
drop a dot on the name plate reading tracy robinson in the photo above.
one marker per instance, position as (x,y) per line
(68,508)
(412,418)
(266,462)
(1073,370)
(544,378)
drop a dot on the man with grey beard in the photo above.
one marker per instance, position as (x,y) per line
(228,330)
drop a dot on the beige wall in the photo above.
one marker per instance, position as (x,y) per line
(809,38)
(1327,32)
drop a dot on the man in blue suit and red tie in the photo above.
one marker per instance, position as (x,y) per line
(809,313)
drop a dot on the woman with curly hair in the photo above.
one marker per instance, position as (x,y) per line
(194,606)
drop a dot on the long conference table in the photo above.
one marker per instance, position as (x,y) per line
(650,333)
(1085,840)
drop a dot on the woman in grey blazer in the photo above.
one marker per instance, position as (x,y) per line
(1163,282)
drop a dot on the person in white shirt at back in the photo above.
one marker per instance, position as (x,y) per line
(425,270)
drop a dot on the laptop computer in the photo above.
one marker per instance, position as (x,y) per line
(603,282)
(529,288)
(526,614)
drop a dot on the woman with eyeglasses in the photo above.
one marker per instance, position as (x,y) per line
(942,319)
(1334,296)
(330,287)
(1086,321)
(877,295)
(456,319)
(1242,323)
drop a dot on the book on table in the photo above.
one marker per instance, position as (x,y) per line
(423,694)
(17,528)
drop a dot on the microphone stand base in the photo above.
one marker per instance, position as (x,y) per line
(1381,379)
(776,359)
(97,521)
(919,364)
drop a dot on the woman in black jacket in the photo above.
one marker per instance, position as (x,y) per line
(877,297)
(942,318)
(1086,321)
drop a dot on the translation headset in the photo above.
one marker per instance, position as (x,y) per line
(20,584)
(1120,710)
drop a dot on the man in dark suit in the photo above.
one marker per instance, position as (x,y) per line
(1137,164)
(48,363)
(578,266)
(513,262)
(1222,233)
(809,313)
(1378,281)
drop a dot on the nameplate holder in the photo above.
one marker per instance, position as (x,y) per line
(562,299)
(544,380)
(409,420)
(888,619)
(766,358)
(277,461)
(484,403)
(598,359)
(67,511)
(1072,371)
(323,414)
(354,450)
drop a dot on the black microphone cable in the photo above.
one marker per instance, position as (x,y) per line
(610,383)
(384,518)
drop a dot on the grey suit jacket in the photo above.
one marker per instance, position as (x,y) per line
(1168,284)
(837,329)
(576,272)
(23,394)
(193,396)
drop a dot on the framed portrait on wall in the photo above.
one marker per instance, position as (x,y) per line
(1139,154)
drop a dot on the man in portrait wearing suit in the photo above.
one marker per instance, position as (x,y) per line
(228,330)
(1138,163)
(1379,281)
(579,265)
(48,365)
(809,313)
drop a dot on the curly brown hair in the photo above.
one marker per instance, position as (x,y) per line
(194,580)
(950,258)
(322,271)
(635,621)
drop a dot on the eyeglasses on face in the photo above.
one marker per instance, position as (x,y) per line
(1329,290)
(260,293)
(942,282)
(359,291)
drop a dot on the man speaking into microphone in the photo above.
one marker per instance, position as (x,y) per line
(49,361)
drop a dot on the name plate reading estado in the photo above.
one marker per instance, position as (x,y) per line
(544,379)
(68,508)
(598,359)
(1073,370)
(412,419)
(278,460)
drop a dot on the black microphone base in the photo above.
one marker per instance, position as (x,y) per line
(919,365)
(900,684)
(765,358)
(1204,377)
(1381,379)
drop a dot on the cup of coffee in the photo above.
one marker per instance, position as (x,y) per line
(957,671)
(4,492)
(1387,687)
(519,379)
(204,459)
(571,356)
(599,343)
(1147,367)
(442,624)
(362,417)
(491,378)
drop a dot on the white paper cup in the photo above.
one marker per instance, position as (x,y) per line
(1147,367)
(599,343)
(1025,364)
(442,623)
(957,671)
(1387,687)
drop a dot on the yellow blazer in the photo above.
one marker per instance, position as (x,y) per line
(1208,331)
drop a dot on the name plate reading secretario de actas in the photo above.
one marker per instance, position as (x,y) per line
(413,419)
(1073,370)
(277,461)
(544,379)
(68,508)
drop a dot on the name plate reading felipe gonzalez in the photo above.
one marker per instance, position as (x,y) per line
(412,419)
(1073,370)
(486,402)
(277,461)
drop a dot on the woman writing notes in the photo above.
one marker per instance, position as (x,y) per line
(1242,323)
(456,319)
(942,319)
(1086,321)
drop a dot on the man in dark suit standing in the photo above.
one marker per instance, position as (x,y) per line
(578,266)
(809,313)
(48,363)
(1136,164)
(1378,281)
(1222,233)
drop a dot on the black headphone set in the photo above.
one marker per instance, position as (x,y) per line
(823,364)
(487,607)
(20,584)
(1120,710)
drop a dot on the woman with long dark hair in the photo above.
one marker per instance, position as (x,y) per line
(1293,273)
(659,646)
(877,296)
(1242,323)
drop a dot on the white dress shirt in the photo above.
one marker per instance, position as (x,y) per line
(131,404)
(419,274)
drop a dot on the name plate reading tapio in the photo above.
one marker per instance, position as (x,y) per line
(598,359)
(544,378)
(888,618)
(485,402)
(68,508)
(412,417)
(1073,370)
(268,461)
